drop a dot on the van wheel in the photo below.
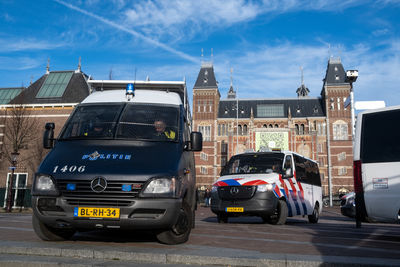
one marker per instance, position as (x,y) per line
(313,218)
(280,215)
(222,218)
(47,233)
(181,230)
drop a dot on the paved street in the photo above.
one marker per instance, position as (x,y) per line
(243,241)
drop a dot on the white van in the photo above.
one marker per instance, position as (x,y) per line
(272,185)
(377,165)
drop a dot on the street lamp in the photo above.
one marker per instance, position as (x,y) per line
(351,76)
(14,158)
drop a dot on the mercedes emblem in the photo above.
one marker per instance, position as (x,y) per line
(98,184)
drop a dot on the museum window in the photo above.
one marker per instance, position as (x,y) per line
(203,156)
(270,111)
(245,129)
(224,147)
(276,126)
(203,170)
(206,132)
(296,128)
(301,129)
(340,130)
(342,171)
(223,129)
(341,156)
(219,129)
(240,130)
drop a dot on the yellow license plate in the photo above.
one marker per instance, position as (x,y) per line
(234,209)
(84,212)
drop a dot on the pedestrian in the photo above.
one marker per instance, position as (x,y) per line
(207,196)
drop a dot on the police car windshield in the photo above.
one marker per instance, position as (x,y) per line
(120,121)
(254,163)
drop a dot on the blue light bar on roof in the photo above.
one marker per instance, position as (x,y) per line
(130,89)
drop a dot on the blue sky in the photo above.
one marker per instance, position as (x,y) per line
(265,42)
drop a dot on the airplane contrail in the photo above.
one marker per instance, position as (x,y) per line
(132,32)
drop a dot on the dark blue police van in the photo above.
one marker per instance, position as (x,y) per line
(123,160)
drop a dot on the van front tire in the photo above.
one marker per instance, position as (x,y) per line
(281,213)
(314,217)
(47,233)
(181,230)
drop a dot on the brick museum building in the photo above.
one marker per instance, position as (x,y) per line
(318,128)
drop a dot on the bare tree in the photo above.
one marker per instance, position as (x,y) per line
(20,129)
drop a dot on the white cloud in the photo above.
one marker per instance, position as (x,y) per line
(178,18)
(19,63)
(26,44)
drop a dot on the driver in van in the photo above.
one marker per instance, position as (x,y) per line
(162,132)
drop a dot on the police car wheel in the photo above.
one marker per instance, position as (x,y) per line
(222,218)
(47,233)
(181,230)
(313,218)
(281,213)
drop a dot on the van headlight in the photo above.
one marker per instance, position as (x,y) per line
(265,187)
(44,185)
(161,187)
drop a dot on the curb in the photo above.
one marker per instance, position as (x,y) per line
(187,259)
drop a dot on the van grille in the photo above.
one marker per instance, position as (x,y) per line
(236,192)
(113,195)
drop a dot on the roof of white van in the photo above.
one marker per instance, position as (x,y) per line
(141,96)
(379,109)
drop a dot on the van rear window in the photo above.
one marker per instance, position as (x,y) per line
(380,137)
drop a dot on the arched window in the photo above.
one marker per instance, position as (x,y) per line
(276,126)
(223,130)
(297,128)
(219,129)
(270,126)
(265,126)
(240,129)
(245,129)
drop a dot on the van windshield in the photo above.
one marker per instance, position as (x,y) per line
(254,163)
(123,121)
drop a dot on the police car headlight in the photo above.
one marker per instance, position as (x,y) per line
(264,187)
(161,187)
(44,185)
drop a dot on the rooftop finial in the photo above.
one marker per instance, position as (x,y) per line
(48,66)
(329,51)
(231,92)
(302,75)
(80,64)
(202,55)
(231,77)
(212,55)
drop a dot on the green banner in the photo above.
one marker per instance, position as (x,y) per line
(272,140)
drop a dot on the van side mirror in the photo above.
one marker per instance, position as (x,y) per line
(48,136)
(288,173)
(196,141)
